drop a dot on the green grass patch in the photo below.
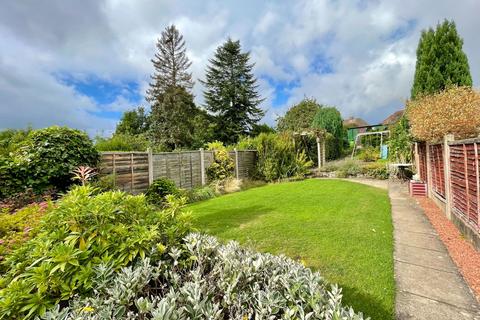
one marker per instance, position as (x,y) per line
(343,229)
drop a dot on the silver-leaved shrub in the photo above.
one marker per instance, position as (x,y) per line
(207,280)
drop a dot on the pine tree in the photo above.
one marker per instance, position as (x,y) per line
(173,108)
(172,119)
(231,92)
(440,61)
(171,65)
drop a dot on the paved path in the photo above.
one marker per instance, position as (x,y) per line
(429,285)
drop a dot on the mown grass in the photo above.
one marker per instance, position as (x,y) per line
(343,229)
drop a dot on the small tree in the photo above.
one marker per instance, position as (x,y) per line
(400,142)
(453,111)
(441,61)
(231,92)
(330,120)
(299,117)
(133,122)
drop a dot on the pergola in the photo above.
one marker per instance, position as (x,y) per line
(320,138)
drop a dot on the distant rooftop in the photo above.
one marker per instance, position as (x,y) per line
(354,122)
(394,117)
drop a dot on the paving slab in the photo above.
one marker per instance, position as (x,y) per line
(429,285)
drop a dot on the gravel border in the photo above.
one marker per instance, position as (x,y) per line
(465,256)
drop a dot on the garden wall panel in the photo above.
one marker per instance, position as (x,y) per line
(437,169)
(129,168)
(464,179)
(422,162)
(132,171)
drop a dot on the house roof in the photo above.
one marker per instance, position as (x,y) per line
(394,117)
(354,122)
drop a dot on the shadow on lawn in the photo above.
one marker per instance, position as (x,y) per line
(367,304)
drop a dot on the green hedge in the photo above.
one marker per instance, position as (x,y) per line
(45,159)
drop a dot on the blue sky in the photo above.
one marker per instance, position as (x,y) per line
(82,64)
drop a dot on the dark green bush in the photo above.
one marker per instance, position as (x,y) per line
(45,159)
(160,189)
(82,234)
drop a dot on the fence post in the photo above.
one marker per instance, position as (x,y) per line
(319,153)
(429,170)
(202,166)
(236,164)
(446,171)
(132,177)
(150,166)
(417,160)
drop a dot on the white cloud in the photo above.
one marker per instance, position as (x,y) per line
(369,45)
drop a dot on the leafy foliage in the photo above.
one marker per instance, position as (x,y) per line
(277,157)
(206,280)
(172,117)
(84,174)
(222,166)
(133,122)
(82,233)
(10,139)
(159,190)
(440,61)
(123,142)
(349,168)
(375,170)
(18,227)
(231,92)
(369,154)
(453,111)
(330,120)
(400,142)
(299,117)
(104,183)
(200,194)
(45,159)
(22,199)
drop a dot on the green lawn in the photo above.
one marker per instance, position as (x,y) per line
(343,229)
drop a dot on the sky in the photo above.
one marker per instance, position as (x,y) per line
(83,63)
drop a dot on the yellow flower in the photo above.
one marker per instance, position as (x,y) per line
(88,309)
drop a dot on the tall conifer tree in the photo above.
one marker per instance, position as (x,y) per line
(441,61)
(231,92)
(170,93)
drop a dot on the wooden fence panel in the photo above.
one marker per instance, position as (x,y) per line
(465,182)
(422,154)
(437,169)
(129,168)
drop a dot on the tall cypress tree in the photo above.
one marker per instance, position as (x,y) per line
(231,92)
(170,93)
(441,61)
